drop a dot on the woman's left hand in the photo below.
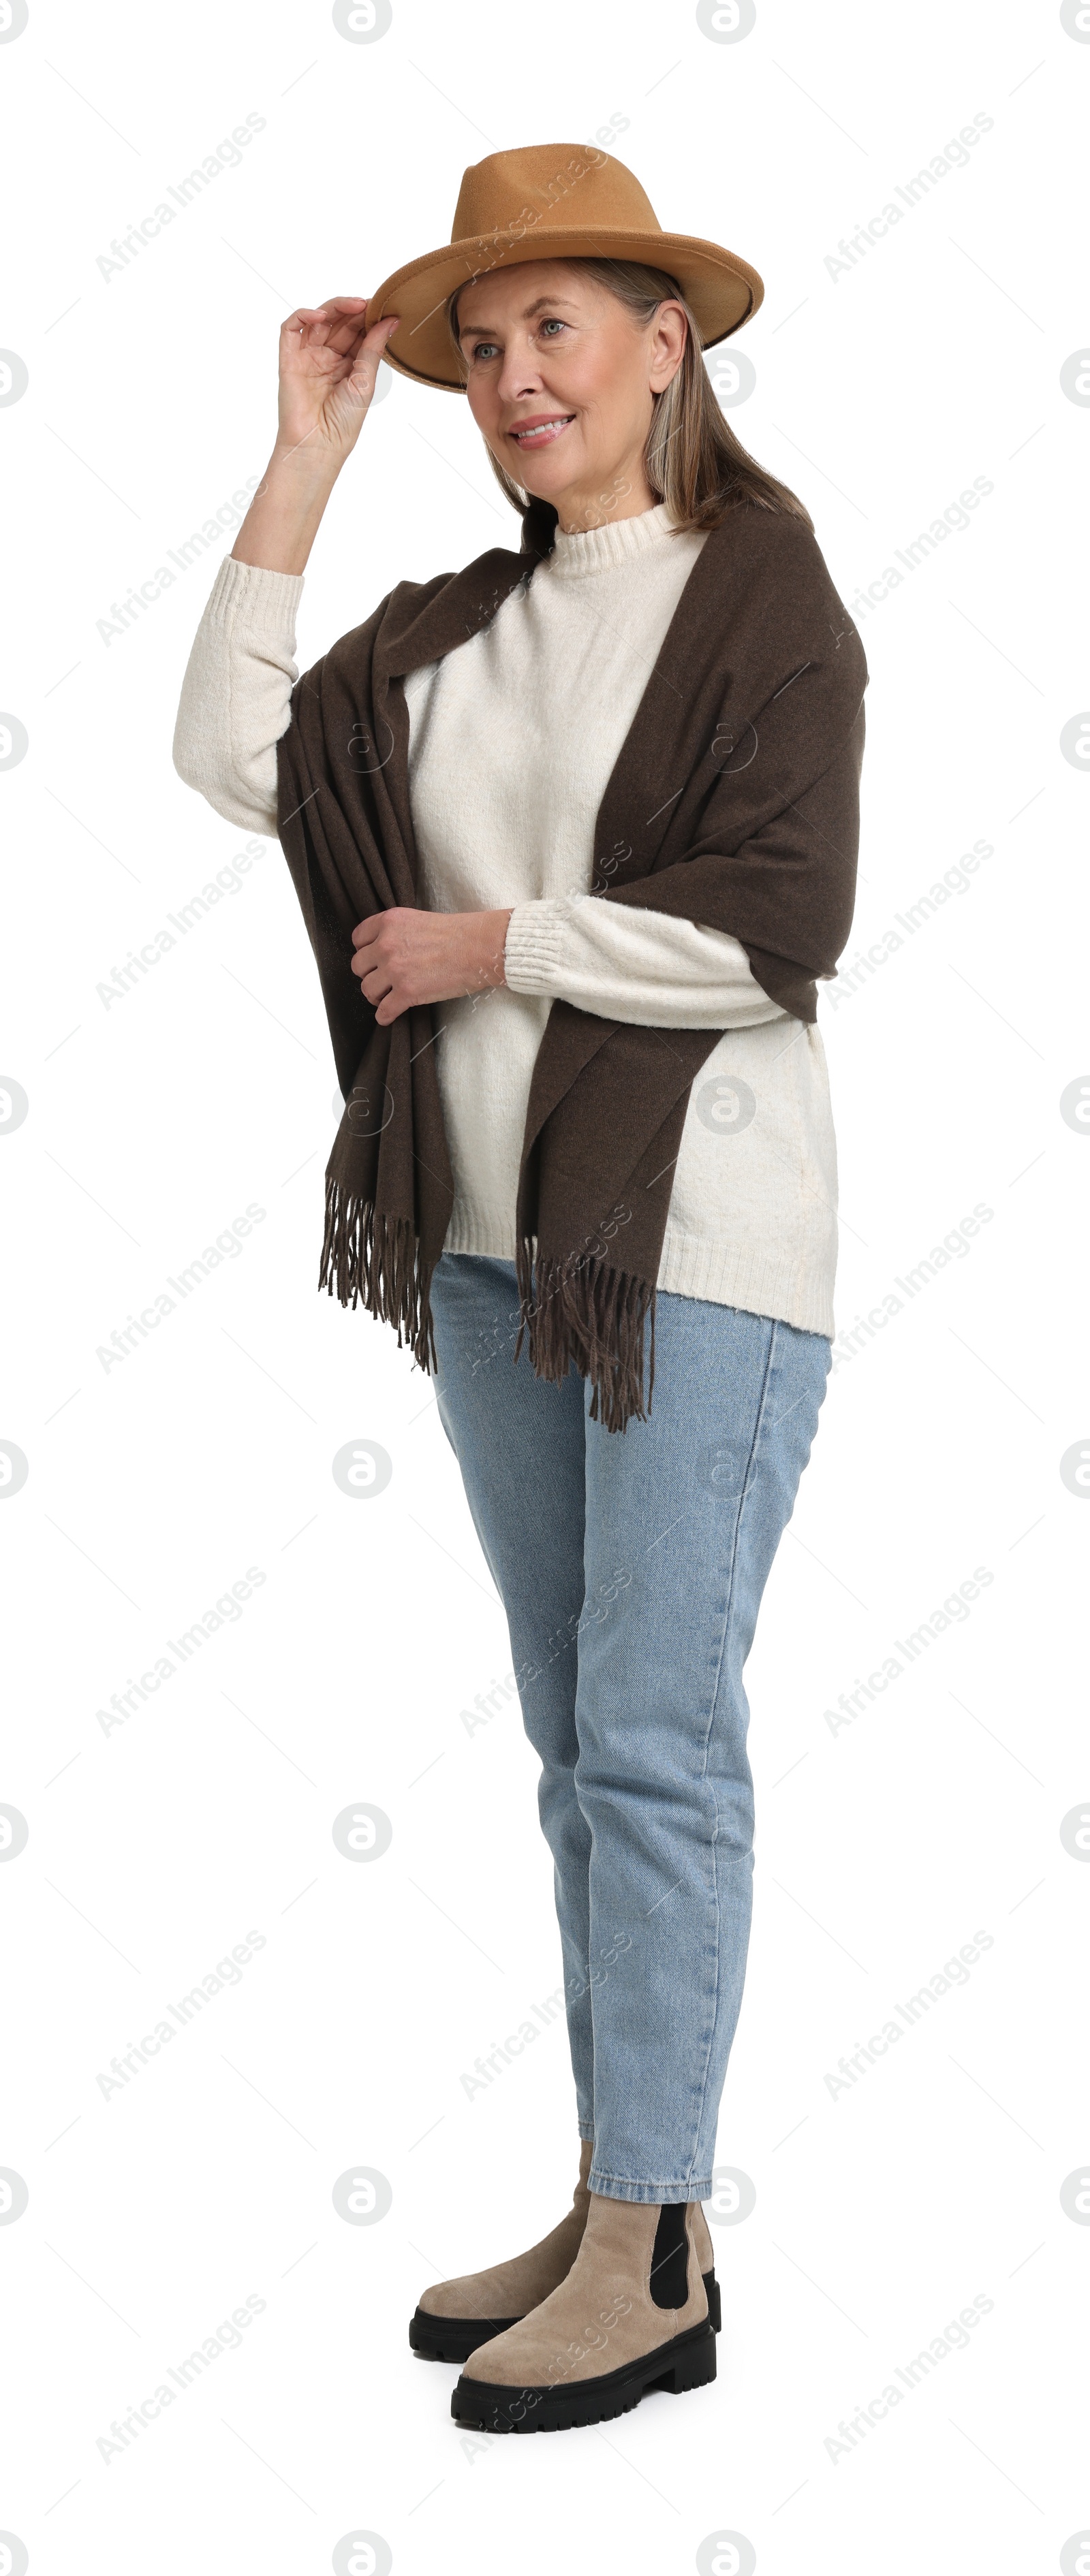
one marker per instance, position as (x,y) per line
(402,957)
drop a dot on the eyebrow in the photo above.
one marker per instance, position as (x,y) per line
(541,303)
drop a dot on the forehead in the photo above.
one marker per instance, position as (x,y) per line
(513,294)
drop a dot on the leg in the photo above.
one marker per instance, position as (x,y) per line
(521,1447)
(684,1515)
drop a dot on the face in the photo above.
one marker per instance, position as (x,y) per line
(560,383)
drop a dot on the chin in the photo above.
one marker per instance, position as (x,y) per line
(543,474)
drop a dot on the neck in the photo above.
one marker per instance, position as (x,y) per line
(625,494)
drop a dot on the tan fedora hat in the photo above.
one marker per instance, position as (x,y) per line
(552,201)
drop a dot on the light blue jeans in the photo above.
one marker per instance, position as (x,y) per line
(631,1567)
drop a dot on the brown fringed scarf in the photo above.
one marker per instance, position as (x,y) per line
(734,803)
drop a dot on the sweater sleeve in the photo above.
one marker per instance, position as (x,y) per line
(646,967)
(236,694)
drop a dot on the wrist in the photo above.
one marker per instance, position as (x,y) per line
(493,942)
(286,513)
(476,945)
(304,467)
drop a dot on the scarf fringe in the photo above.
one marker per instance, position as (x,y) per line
(584,1310)
(579,1309)
(376,1259)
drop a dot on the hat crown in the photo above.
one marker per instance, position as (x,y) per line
(556,185)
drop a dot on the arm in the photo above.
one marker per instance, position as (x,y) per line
(786,888)
(645,967)
(236,694)
(235,701)
(783,890)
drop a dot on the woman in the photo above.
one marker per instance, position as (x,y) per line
(574,833)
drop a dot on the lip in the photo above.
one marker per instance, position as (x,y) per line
(549,425)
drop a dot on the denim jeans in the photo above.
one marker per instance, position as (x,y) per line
(631,1566)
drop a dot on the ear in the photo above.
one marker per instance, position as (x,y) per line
(670,333)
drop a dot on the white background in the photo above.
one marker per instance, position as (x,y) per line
(156,1482)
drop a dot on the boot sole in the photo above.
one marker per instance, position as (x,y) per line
(687,2362)
(454,2338)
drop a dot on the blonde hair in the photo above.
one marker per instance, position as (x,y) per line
(692,459)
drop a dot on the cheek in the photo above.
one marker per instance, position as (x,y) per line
(603,383)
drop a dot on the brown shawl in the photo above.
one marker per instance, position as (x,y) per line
(733,803)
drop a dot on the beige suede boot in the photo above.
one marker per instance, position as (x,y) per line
(631,2314)
(455,2316)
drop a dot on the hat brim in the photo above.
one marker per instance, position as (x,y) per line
(721,289)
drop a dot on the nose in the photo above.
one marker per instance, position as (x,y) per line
(520,373)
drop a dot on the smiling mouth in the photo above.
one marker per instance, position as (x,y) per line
(541,433)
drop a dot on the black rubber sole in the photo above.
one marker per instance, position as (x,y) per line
(454,2338)
(687,2362)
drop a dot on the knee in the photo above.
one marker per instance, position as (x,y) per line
(625,1794)
(549,1725)
(561,1817)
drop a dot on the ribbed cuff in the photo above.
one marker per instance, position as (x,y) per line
(250,596)
(534,948)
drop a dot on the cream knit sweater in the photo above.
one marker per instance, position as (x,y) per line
(512,739)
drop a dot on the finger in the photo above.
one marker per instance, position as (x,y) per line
(375,341)
(340,313)
(374,980)
(332,325)
(334,307)
(370,344)
(306,317)
(366,359)
(347,333)
(367,930)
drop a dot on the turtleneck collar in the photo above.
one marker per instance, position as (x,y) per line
(617,542)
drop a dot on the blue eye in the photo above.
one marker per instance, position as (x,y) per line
(485,349)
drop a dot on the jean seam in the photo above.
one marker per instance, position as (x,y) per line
(747,1481)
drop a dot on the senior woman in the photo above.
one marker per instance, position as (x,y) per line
(574,834)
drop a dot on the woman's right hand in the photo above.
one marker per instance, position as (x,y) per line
(328,369)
